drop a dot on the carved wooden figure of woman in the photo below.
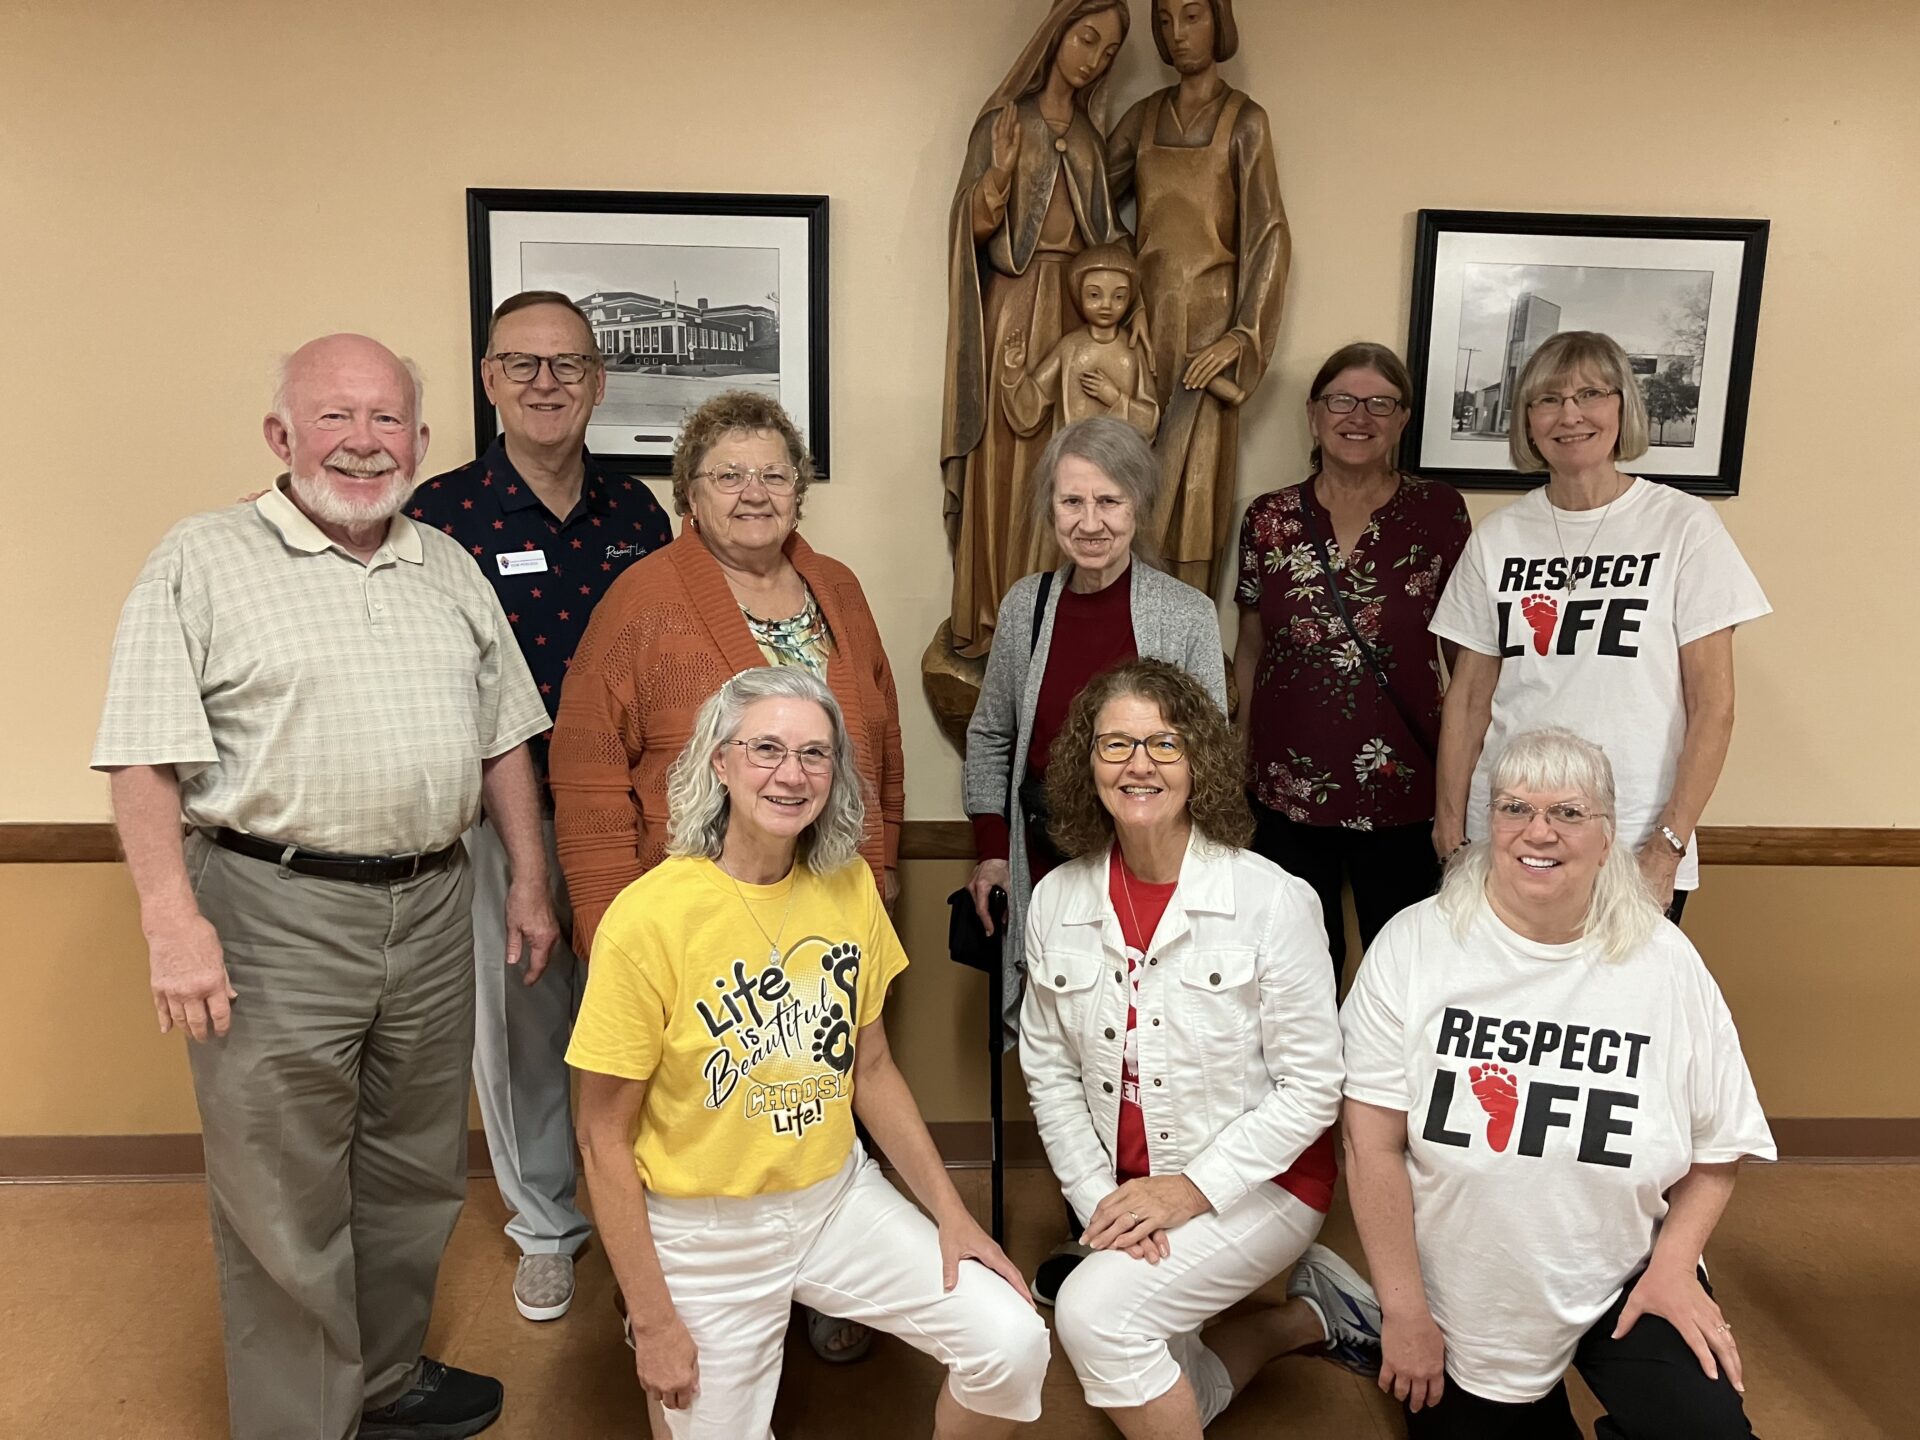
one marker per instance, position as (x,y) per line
(1033,194)
(1214,249)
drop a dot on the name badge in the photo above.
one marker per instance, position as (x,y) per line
(519,562)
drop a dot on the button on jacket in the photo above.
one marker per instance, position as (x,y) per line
(1239,1041)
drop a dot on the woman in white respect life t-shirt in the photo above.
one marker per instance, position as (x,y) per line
(1601,602)
(1546,1103)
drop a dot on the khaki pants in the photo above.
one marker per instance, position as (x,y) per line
(334,1114)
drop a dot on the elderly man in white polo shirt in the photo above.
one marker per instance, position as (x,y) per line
(324,690)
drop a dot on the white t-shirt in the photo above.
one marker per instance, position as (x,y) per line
(1552,1098)
(1651,572)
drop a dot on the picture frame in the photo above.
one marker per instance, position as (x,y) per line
(1681,295)
(689,293)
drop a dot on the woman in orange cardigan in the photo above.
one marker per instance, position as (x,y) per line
(738,588)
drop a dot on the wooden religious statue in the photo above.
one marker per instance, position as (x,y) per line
(1214,249)
(1032,194)
(1098,369)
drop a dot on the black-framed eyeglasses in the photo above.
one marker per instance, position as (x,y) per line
(521,368)
(1341,403)
(1564,815)
(1583,400)
(778,479)
(1117,748)
(771,755)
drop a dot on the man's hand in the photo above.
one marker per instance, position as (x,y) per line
(1131,1215)
(531,929)
(188,976)
(986,875)
(667,1362)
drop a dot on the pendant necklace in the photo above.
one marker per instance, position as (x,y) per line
(1553,513)
(773,940)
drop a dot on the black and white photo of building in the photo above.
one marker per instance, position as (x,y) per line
(1660,318)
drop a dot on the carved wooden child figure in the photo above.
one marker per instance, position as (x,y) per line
(1095,370)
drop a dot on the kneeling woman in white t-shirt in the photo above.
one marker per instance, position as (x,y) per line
(730,1033)
(1546,1105)
(1183,1059)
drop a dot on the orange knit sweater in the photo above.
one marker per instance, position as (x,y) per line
(667,634)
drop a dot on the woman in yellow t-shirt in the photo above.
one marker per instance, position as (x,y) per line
(729,1035)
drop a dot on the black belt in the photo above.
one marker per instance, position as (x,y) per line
(363,869)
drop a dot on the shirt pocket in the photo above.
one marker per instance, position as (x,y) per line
(1070,979)
(1221,1000)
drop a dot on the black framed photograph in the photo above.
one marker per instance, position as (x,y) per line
(689,294)
(1681,295)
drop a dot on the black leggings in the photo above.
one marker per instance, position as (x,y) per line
(1389,868)
(1650,1382)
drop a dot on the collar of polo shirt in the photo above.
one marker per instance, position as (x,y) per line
(300,533)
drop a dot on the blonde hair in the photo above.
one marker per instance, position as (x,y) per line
(1622,913)
(1559,358)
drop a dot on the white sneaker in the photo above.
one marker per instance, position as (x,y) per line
(543,1286)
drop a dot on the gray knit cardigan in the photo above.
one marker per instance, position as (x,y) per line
(1172,621)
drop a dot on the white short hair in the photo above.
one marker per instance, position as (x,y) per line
(284,413)
(1622,913)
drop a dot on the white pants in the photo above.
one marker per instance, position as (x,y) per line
(520,1039)
(1132,1329)
(853,1247)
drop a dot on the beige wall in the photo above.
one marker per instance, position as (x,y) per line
(188,190)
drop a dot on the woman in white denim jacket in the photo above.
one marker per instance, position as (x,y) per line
(1182,1055)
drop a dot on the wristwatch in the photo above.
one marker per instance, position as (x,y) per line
(1679,845)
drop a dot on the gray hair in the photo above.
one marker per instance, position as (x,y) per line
(1116,449)
(283,412)
(697,805)
(1557,360)
(1622,913)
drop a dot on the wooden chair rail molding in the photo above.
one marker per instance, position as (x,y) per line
(81,843)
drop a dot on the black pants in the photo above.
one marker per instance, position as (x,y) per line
(1679,904)
(1650,1382)
(1389,869)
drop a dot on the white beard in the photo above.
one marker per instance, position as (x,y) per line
(317,494)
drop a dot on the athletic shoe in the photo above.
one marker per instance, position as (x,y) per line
(543,1286)
(1346,1306)
(838,1342)
(1053,1271)
(444,1404)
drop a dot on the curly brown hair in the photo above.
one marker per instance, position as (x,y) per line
(1080,825)
(723,415)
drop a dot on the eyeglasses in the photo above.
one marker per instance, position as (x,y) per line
(1117,749)
(1583,400)
(1511,811)
(1340,403)
(771,755)
(731,481)
(520,367)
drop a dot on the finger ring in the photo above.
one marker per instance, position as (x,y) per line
(1133,1217)
(1723,1327)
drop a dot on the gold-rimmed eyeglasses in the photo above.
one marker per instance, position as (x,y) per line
(731,480)
(1583,400)
(1512,811)
(1116,748)
(771,755)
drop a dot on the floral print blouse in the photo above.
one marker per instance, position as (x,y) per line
(801,640)
(1327,745)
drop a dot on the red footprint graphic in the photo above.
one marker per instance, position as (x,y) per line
(1542,613)
(1494,1088)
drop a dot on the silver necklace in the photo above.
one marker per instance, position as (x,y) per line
(1553,513)
(773,940)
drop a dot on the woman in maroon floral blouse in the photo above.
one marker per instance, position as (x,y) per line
(1341,727)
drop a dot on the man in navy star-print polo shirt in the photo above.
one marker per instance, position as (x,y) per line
(551,530)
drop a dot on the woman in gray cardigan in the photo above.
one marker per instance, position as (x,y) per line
(1093,484)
